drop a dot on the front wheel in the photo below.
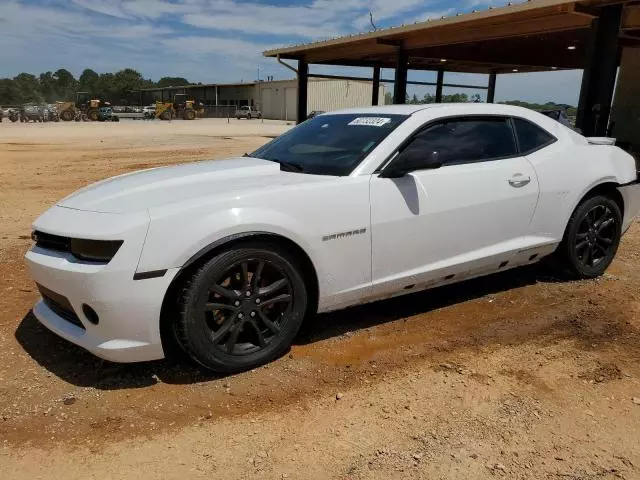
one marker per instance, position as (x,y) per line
(592,237)
(242,308)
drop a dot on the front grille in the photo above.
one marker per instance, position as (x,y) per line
(60,306)
(52,242)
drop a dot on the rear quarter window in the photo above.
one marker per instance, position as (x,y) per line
(531,137)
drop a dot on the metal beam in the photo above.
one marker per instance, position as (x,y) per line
(303,85)
(491,88)
(439,84)
(400,84)
(599,75)
(375,87)
(389,80)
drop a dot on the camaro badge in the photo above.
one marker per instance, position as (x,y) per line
(337,236)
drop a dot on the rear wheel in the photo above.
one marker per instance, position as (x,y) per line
(166,115)
(242,308)
(189,114)
(592,236)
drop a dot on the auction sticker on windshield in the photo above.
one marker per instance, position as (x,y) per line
(370,121)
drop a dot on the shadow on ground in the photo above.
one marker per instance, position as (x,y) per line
(78,367)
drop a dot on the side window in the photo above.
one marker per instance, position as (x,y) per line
(467,140)
(531,137)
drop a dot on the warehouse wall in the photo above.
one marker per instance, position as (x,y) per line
(278,99)
(331,94)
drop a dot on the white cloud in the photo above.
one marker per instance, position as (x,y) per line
(105,8)
(215,40)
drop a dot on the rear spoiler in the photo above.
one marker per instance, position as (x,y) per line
(601,140)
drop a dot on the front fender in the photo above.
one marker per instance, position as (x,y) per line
(174,240)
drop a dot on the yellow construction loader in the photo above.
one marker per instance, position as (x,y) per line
(92,111)
(66,111)
(179,108)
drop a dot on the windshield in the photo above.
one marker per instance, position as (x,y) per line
(329,144)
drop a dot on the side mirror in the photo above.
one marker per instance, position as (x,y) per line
(410,160)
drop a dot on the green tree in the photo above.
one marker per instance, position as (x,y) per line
(66,84)
(88,81)
(9,92)
(125,82)
(48,87)
(428,98)
(414,100)
(28,88)
(172,82)
(388,98)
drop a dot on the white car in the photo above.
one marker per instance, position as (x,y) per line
(149,111)
(228,257)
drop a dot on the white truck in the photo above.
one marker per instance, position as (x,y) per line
(248,112)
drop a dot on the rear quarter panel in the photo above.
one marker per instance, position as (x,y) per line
(567,171)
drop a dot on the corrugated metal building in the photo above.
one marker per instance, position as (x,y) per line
(276,99)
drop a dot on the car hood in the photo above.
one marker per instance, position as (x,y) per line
(165,185)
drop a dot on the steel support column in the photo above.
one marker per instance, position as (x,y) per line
(375,90)
(491,90)
(439,84)
(303,86)
(598,79)
(400,83)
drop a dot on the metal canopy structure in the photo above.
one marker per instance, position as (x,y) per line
(539,35)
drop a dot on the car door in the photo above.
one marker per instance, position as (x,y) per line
(461,219)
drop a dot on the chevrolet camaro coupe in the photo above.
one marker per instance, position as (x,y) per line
(227,258)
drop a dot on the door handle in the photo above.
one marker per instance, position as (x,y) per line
(518,180)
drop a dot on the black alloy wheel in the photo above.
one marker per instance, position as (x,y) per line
(592,237)
(242,308)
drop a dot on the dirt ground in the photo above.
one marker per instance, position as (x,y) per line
(524,374)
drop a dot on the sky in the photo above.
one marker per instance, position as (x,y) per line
(217,41)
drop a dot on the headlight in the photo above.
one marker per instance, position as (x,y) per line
(94,250)
(89,250)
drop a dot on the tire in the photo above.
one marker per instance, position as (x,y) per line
(250,328)
(592,237)
(67,115)
(189,115)
(166,115)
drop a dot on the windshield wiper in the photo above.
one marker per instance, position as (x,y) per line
(287,166)
(290,167)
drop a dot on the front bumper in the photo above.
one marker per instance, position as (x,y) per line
(128,310)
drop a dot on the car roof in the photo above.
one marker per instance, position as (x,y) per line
(441,108)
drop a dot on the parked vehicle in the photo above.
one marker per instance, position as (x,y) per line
(149,111)
(229,257)
(66,111)
(315,113)
(106,114)
(50,113)
(559,115)
(179,108)
(247,112)
(29,112)
(14,115)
